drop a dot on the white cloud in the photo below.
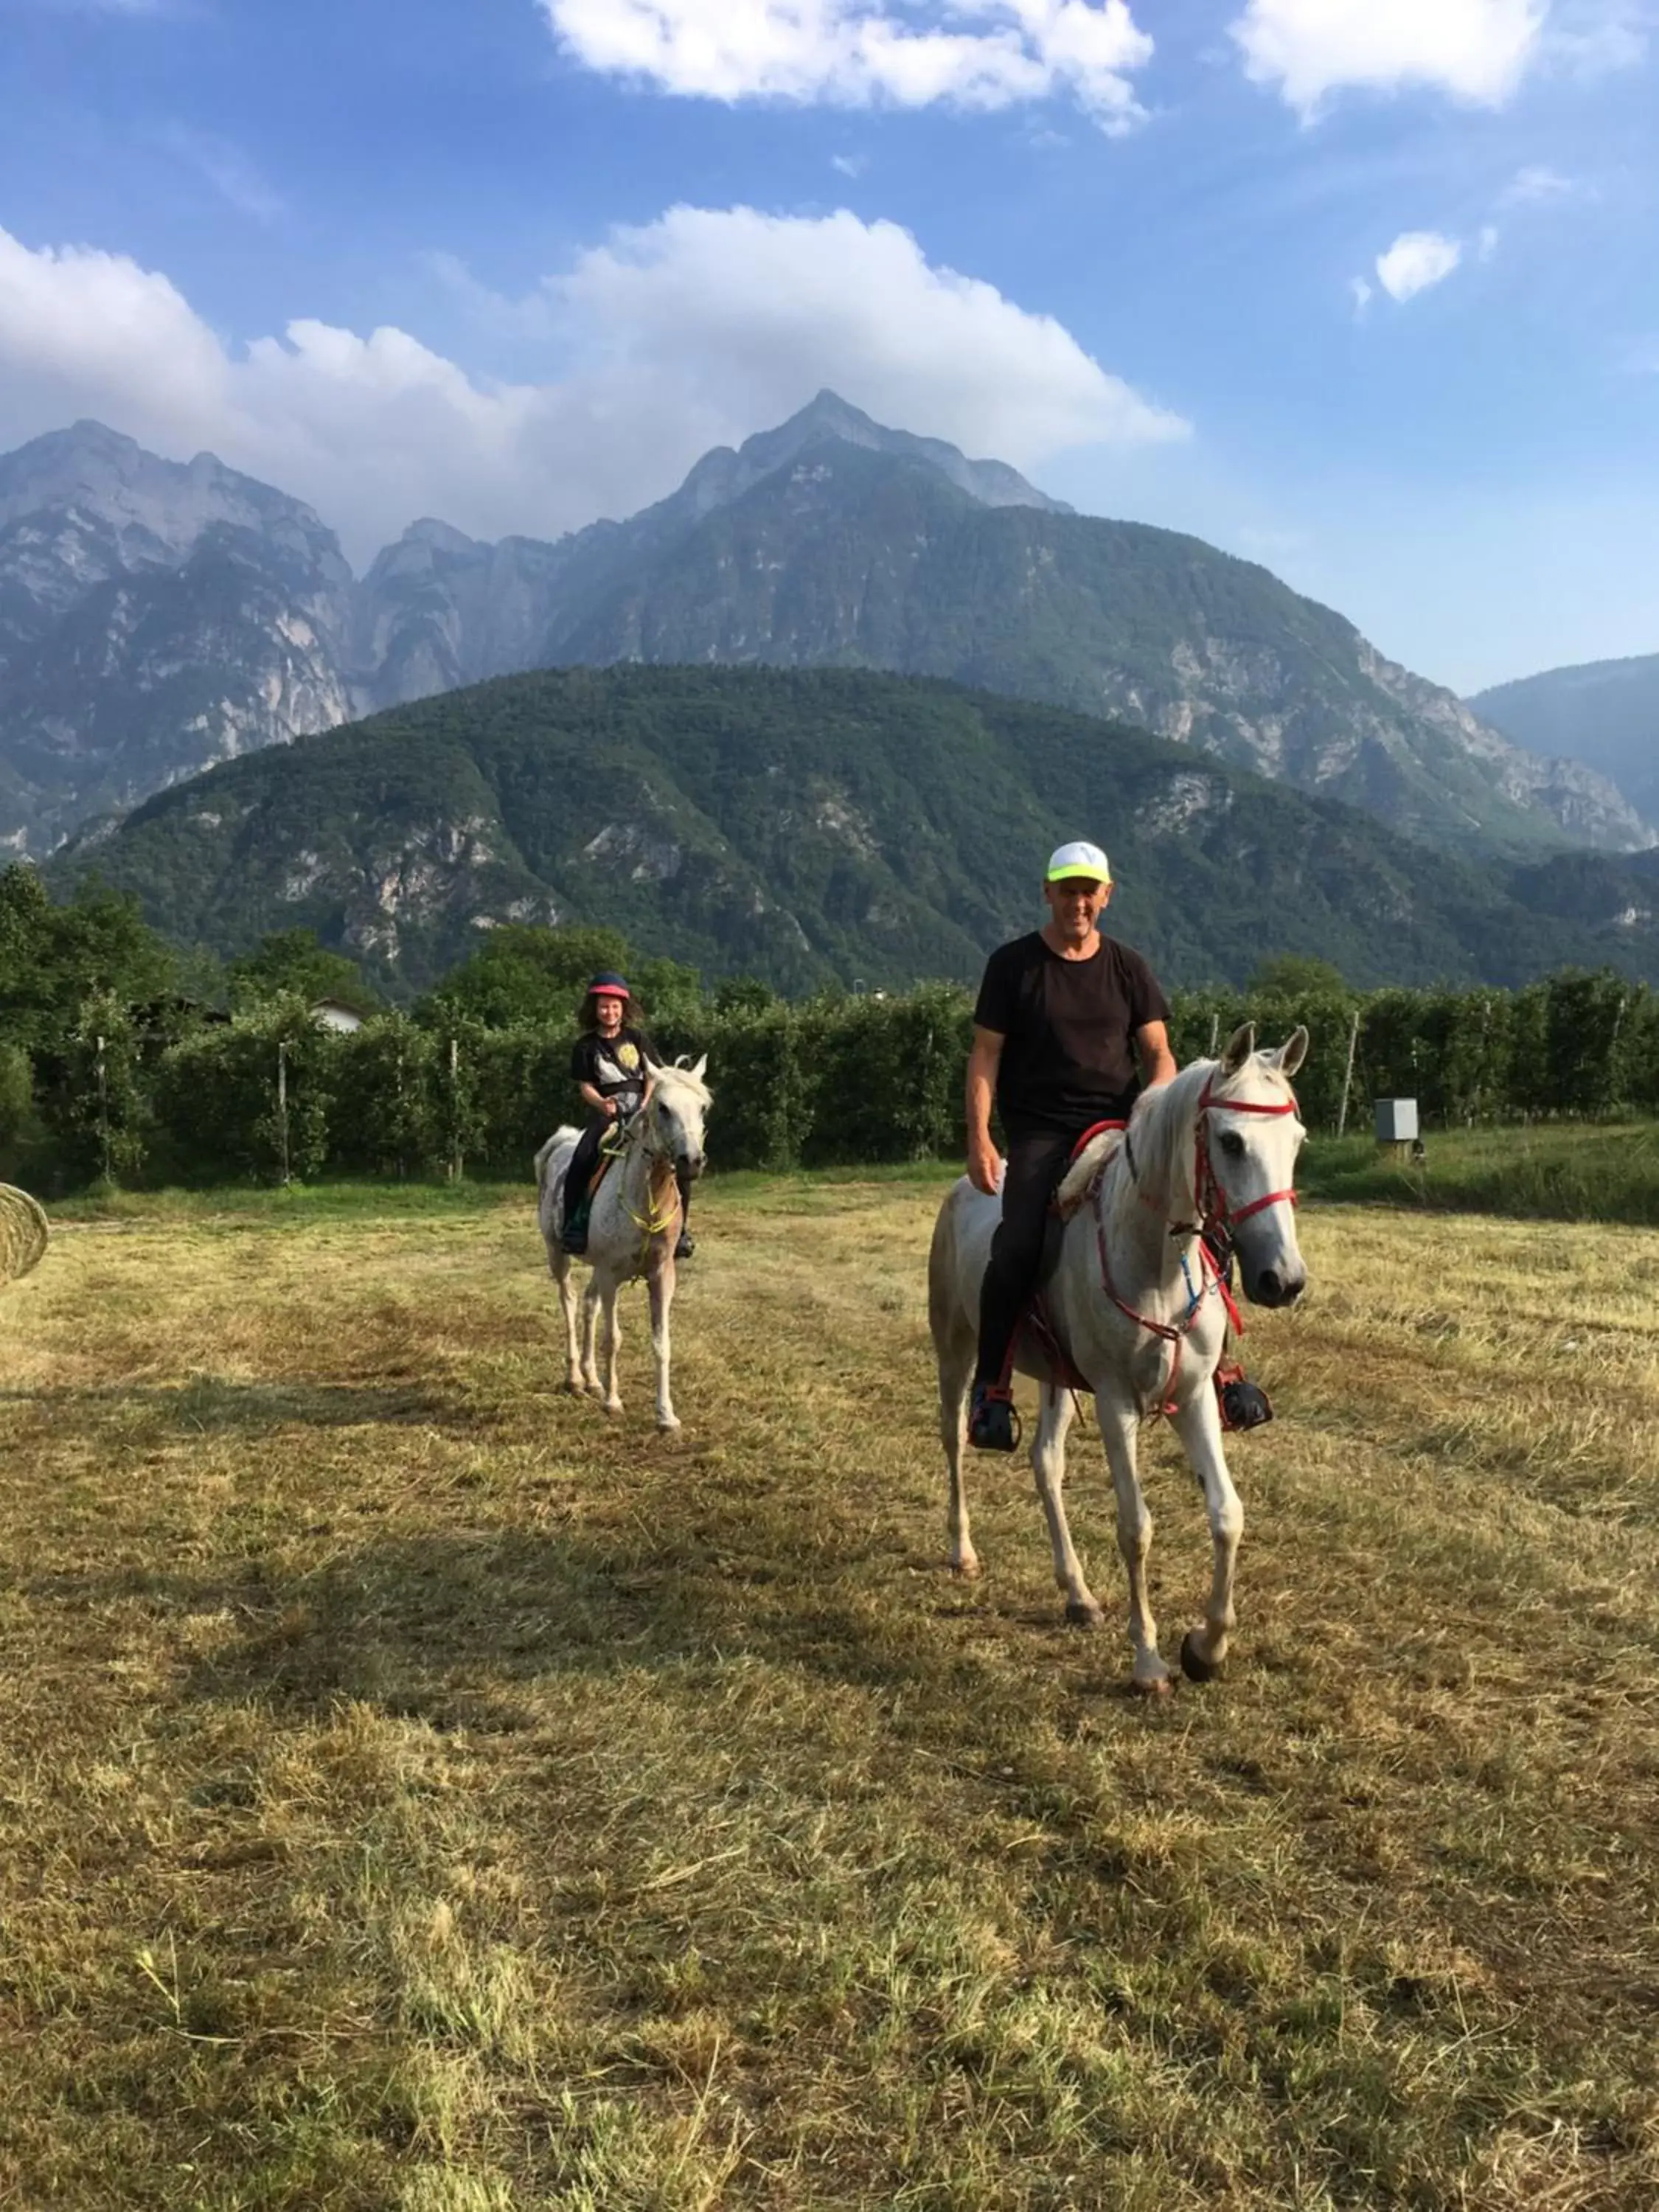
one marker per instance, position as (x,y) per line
(1536,187)
(688,332)
(1361,294)
(226,168)
(1417,259)
(1591,38)
(1476,50)
(857,54)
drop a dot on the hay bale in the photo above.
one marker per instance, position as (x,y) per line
(23,1233)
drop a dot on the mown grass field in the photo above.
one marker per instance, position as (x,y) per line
(416,1791)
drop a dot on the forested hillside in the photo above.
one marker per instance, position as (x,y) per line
(817,827)
(155,618)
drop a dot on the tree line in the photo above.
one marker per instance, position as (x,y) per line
(112,1065)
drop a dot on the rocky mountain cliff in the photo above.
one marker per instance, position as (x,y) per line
(155,618)
(1604,714)
(815,827)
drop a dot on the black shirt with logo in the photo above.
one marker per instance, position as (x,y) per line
(1068,1029)
(614,1066)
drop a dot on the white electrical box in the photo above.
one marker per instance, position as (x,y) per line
(1396,1120)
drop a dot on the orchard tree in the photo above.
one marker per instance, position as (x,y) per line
(523,973)
(292,961)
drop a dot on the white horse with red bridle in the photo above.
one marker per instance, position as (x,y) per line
(1135,1303)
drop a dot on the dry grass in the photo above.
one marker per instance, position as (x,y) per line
(416,1792)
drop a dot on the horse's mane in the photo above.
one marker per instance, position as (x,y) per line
(667,1076)
(1162,1129)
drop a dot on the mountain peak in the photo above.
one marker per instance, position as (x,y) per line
(828,410)
(723,475)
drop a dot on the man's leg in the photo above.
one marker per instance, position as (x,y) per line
(1034,1167)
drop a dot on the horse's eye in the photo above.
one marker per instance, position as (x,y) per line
(1232,1144)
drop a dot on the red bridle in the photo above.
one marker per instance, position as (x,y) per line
(1215,1209)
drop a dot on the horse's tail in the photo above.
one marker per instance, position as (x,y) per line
(562,1135)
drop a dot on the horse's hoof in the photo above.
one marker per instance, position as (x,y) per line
(1195,1666)
(613,1405)
(1154,1686)
(1084,1616)
(671,1427)
(967,1566)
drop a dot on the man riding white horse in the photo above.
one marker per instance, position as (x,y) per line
(1062,1018)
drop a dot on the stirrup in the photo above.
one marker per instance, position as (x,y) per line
(1244,1404)
(993,1422)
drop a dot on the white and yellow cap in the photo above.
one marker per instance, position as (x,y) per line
(1078,858)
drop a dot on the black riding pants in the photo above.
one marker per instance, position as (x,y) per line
(1036,1163)
(583,1161)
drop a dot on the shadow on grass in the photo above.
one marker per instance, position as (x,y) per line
(457,1629)
(447,1628)
(210,1403)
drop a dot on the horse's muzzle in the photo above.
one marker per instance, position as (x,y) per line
(1273,1287)
(689,1165)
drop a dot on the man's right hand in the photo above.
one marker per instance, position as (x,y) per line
(984,1166)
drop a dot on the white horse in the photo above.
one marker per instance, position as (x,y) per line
(633,1228)
(1136,1304)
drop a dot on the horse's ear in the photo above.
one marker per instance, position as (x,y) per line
(696,1072)
(1240,1045)
(1294,1050)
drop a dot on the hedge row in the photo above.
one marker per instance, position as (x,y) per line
(818,1083)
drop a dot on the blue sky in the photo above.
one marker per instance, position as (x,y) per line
(1364,289)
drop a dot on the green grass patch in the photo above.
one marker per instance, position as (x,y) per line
(1554,1171)
(298,1202)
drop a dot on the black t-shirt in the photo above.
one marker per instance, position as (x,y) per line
(614,1067)
(1068,1028)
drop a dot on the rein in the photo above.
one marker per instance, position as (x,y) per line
(657,1219)
(1217,1217)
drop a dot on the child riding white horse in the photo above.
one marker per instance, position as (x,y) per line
(633,1224)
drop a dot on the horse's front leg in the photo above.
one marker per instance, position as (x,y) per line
(1048,1466)
(1119,1422)
(956,1367)
(662,1296)
(609,1299)
(590,1361)
(1198,1424)
(559,1266)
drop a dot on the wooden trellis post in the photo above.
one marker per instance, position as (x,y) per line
(281,1113)
(1347,1073)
